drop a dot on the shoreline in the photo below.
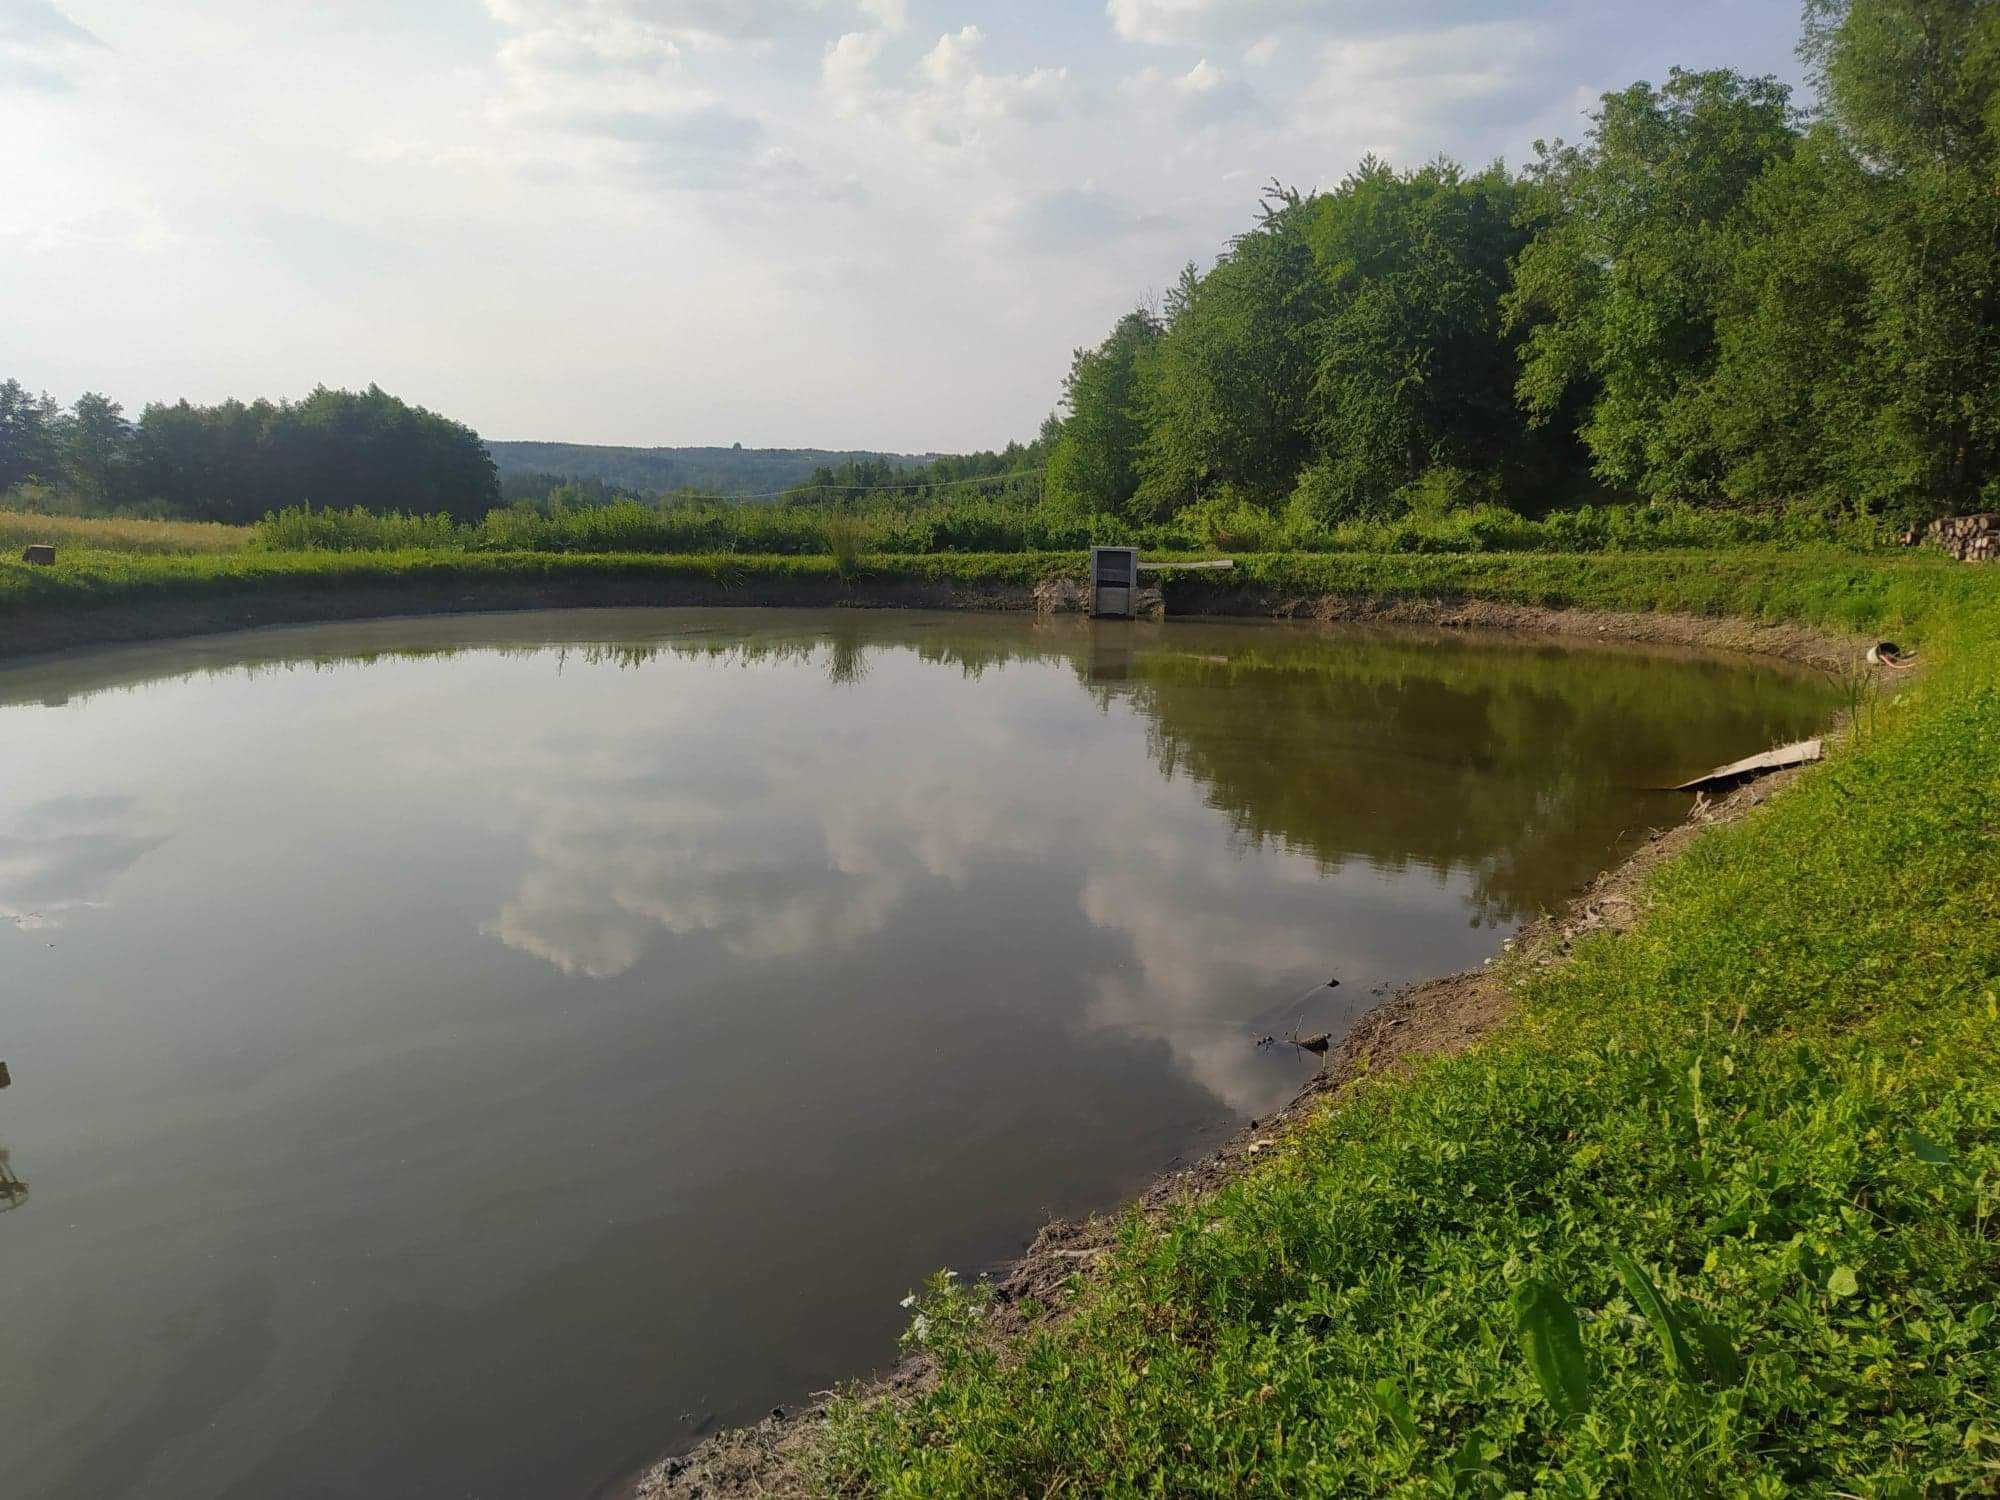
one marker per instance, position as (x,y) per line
(66,626)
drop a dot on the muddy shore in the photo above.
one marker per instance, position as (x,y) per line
(34,632)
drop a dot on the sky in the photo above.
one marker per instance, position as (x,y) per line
(836,223)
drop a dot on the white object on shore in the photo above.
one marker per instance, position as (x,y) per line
(1804,752)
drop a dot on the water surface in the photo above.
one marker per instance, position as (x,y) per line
(466,1057)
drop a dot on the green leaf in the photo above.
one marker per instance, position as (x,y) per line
(1658,1311)
(1842,1282)
(1925,1149)
(1720,1361)
(1470,1468)
(1393,1404)
(1553,1343)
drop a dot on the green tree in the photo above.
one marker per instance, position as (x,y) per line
(1862,344)
(96,451)
(1226,390)
(27,435)
(235,461)
(1411,364)
(1093,463)
(1620,295)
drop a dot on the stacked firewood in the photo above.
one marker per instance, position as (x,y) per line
(1967,538)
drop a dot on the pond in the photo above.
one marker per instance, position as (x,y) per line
(472,1056)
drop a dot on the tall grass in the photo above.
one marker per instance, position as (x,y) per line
(304,529)
(980,524)
(20,529)
(845,541)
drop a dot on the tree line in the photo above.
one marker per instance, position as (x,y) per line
(235,461)
(1717,297)
(1011,475)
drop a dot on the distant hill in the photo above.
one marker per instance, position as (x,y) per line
(652,471)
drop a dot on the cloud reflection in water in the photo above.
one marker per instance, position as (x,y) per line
(62,855)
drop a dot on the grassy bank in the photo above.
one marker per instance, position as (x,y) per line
(1715,1215)
(1824,587)
(962,526)
(93,596)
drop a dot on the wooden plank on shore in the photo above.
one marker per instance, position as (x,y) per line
(1155,567)
(1802,753)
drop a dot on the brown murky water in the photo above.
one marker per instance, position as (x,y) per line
(465,1057)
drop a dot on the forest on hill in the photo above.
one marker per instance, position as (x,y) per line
(530,470)
(235,461)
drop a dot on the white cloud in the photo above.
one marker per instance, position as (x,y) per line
(890,15)
(617,87)
(40,47)
(1401,93)
(949,100)
(847,72)
(1191,22)
(696,21)
(39,22)
(1202,96)
(959,103)
(954,59)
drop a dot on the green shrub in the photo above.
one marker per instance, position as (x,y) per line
(300,528)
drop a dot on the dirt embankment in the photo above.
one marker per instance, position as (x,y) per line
(1432,1019)
(1793,643)
(36,630)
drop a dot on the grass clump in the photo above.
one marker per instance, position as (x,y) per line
(1747,1155)
(300,528)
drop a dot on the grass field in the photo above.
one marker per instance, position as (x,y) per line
(20,529)
(1825,587)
